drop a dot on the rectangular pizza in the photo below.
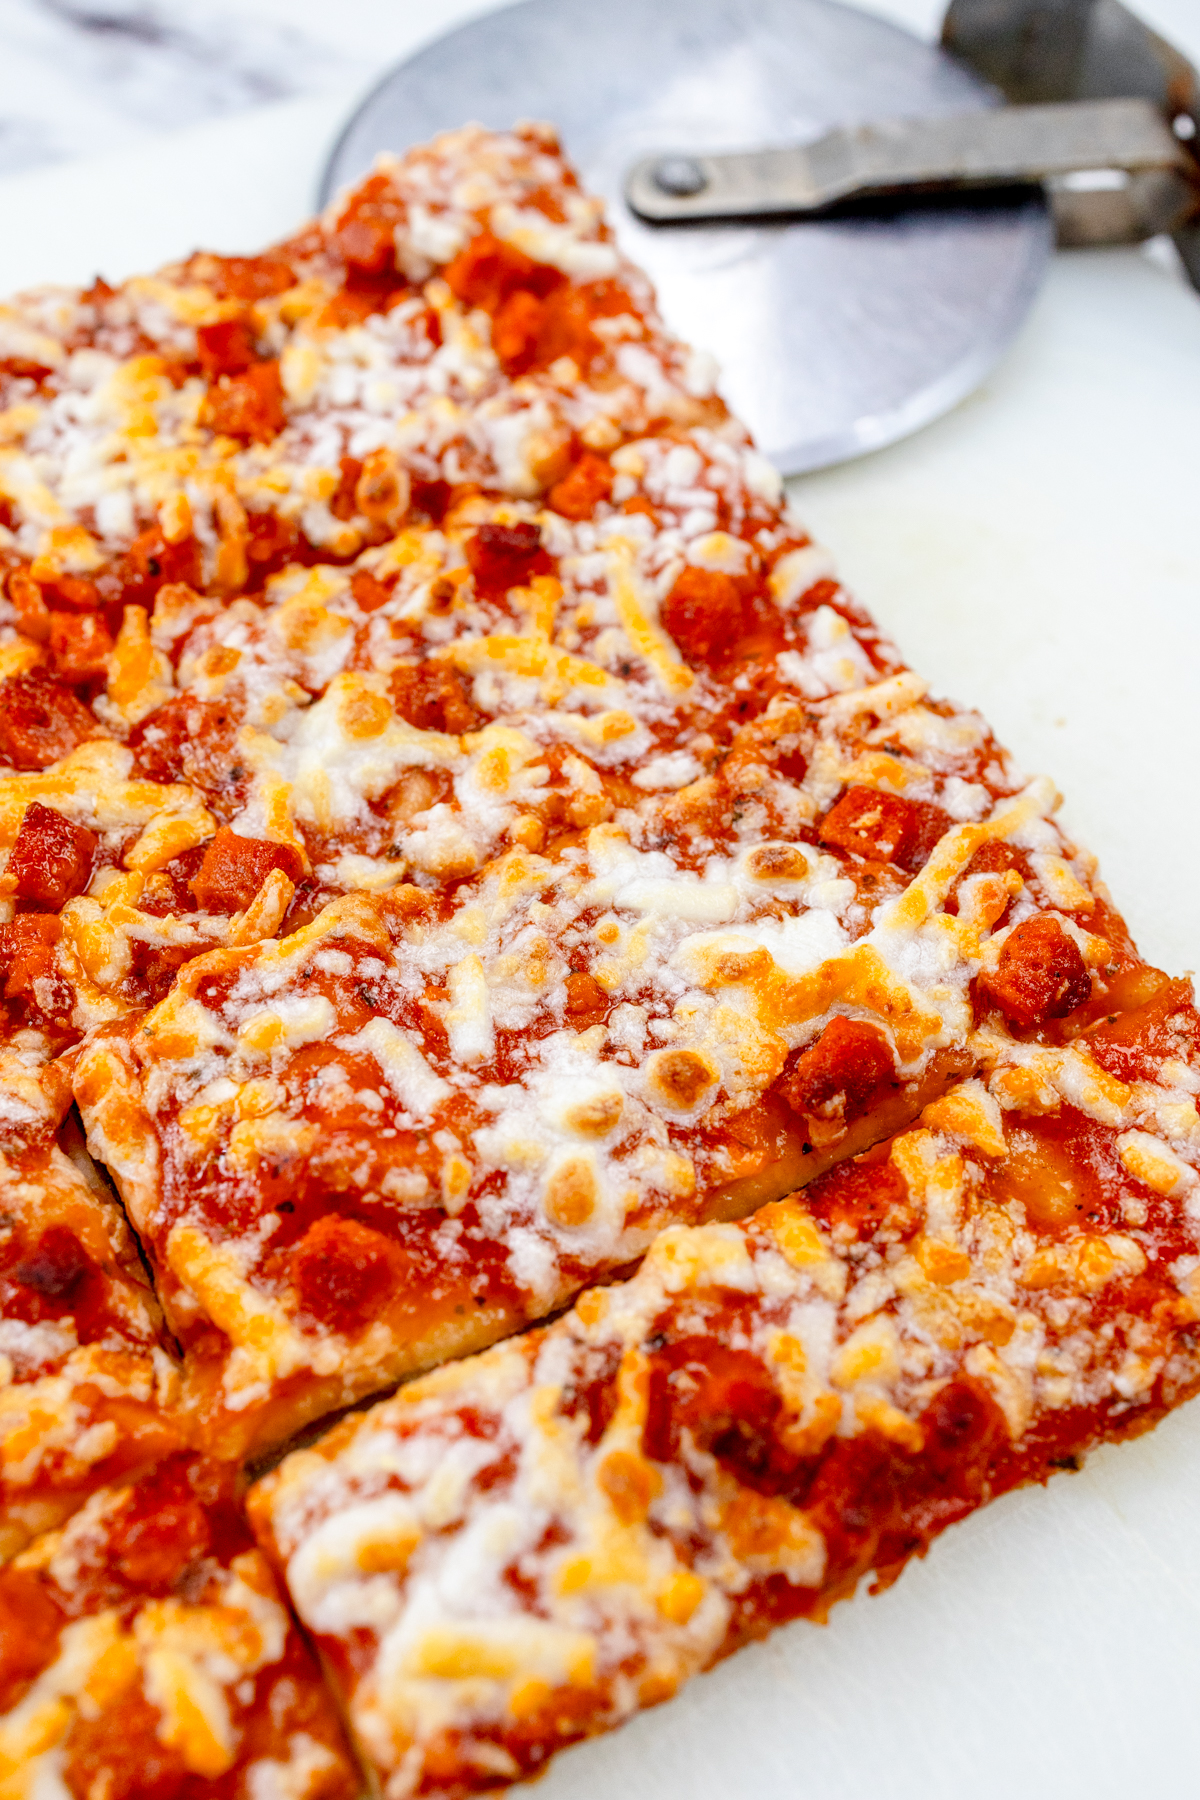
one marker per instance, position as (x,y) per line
(525,1547)
(88,1378)
(461,845)
(146,1654)
(545,848)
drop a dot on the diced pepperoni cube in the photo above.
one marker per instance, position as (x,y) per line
(369,593)
(57,1266)
(80,645)
(148,565)
(40,721)
(27,951)
(51,859)
(234,868)
(242,277)
(517,331)
(993,858)
(1040,975)
(856,1197)
(724,1397)
(248,406)
(343,1271)
(487,270)
(226,347)
(840,1072)
(272,541)
(996,858)
(587,1002)
(580,491)
(30,1626)
(433,698)
(506,556)
(29,604)
(567,326)
(868,822)
(162,1530)
(73,593)
(704,614)
(365,234)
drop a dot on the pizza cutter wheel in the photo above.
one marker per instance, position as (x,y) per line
(840,331)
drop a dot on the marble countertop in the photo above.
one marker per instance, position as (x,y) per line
(82,77)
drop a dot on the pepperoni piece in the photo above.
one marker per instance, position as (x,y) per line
(432,498)
(51,859)
(27,951)
(857,1197)
(963,1427)
(243,277)
(1040,975)
(191,740)
(80,645)
(433,698)
(854,1499)
(58,1266)
(365,235)
(30,1624)
(995,858)
(506,556)
(225,348)
(234,868)
(344,1271)
(868,822)
(75,593)
(161,1531)
(704,614)
(271,543)
(838,1075)
(487,270)
(149,564)
(725,1398)
(29,604)
(131,1763)
(41,721)
(854,1199)
(248,406)
(580,491)
(369,593)
(517,331)
(587,1001)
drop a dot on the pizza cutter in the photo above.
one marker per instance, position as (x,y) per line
(842,319)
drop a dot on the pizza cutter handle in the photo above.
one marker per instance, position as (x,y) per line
(1125,171)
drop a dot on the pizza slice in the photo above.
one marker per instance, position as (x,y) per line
(423,1119)
(88,1379)
(524,1548)
(145,1650)
(462,318)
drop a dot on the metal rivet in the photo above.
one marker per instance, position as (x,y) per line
(680,176)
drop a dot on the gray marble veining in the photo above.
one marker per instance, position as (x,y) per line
(78,77)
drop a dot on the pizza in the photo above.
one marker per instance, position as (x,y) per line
(88,1375)
(465,857)
(525,1547)
(149,1652)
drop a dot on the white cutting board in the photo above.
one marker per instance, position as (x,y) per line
(1037,553)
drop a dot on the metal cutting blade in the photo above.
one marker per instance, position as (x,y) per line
(834,336)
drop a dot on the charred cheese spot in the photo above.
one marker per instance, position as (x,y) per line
(572,1194)
(681,1079)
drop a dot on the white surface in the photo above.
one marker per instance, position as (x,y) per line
(1037,554)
